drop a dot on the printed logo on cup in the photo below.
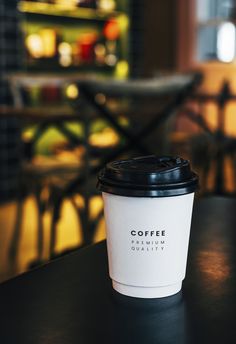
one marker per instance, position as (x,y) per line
(148,240)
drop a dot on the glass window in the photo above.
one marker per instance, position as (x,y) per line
(215,30)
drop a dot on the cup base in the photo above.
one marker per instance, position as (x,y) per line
(147,292)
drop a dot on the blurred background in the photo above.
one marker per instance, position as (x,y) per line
(85,82)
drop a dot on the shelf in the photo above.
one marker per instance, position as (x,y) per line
(55,10)
(214,22)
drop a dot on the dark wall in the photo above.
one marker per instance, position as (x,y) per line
(10,45)
(136,11)
(159,35)
(10,62)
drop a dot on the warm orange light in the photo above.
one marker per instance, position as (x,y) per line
(34,45)
(65,51)
(72,91)
(108,137)
(214,267)
(111,30)
(42,44)
(48,37)
(122,69)
(100,98)
(100,52)
(67,4)
(111,60)
(107,5)
(88,38)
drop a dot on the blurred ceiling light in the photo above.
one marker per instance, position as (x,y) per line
(226,42)
(72,91)
(34,45)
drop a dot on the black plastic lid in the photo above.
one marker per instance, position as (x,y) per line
(148,176)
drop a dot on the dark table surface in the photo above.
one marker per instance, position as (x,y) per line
(71,300)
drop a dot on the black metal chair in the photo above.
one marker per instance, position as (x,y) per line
(175,90)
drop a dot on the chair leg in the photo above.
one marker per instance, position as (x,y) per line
(95,222)
(55,218)
(219,178)
(85,222)
(13,249)
(40,210)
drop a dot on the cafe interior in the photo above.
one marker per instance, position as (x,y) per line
(86,82)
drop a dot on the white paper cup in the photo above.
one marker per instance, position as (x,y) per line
(147,237)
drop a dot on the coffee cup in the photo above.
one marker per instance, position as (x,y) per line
(148,208)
